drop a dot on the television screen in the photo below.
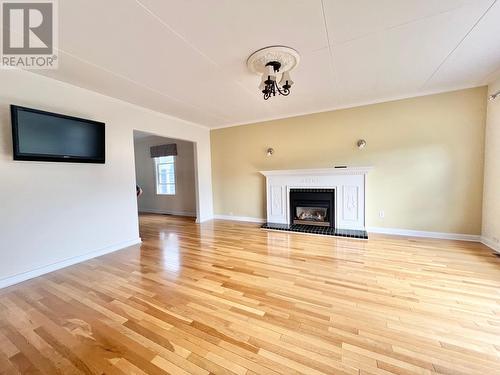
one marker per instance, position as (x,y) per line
(45,136)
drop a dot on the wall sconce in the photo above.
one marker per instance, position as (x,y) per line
(494,96)
(361,144)
(270,151)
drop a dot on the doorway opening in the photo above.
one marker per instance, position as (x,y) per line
(165,171)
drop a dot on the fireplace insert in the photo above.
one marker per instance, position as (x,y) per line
(312,207)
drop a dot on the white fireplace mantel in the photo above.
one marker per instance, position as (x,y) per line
(349,184)
(320,171)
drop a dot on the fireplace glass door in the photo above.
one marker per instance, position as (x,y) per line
(312,207)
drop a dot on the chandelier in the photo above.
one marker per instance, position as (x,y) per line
(274,65)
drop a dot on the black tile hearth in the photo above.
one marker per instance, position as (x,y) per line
(326,231)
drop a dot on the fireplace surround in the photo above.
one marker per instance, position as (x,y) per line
(338,211)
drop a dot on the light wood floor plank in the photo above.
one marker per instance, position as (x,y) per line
(229,298)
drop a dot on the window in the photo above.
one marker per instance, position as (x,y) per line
(165,175)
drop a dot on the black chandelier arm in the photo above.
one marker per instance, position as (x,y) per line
(283,91)
(272,87)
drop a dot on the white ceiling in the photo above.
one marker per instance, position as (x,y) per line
(187,58)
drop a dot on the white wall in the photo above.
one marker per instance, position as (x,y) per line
(184,200)
(491,195)
(54,214)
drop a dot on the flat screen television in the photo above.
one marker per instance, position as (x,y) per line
(45,136)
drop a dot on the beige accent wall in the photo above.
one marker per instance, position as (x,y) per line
(427,153)
(491,203)
(184,200)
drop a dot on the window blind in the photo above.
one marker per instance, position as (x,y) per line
(163,150)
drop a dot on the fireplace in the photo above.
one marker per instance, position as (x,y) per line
(315,207)
(341,191)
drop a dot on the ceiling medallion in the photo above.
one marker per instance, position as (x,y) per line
(274,65)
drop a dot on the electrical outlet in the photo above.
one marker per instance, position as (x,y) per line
(495,239)
(231,214)
(381,214)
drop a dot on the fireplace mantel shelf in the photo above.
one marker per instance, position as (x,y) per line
(317,172)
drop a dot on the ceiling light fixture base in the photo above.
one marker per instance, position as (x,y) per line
(286,56)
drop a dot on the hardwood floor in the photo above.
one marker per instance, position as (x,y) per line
(227,298)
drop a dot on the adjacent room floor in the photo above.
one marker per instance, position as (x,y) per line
(226,297)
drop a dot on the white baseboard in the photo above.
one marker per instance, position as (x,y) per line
(392,231)
(11,280)
(167,212)
(495,246)
(418,233)
(200,220)
(240,218)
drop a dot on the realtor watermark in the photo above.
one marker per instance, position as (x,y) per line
(29,34)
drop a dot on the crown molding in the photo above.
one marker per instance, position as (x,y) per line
(384,99)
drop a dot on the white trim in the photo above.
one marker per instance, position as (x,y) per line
(390,231)
(203,219)
(418,233)
(495,246)
(167,212)
(156,165)
(240,218)
(11,280)
(320,171)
